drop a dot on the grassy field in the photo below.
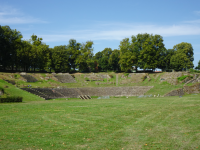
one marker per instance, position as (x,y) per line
(115,123)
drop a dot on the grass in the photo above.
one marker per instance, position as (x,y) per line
(11,90)
(115,123)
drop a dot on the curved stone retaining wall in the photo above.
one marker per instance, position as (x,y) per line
(115,91)
(49,93)
(66,78)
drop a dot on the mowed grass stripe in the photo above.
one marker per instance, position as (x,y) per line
(116,123)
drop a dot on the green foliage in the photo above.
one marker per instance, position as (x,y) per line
(126,74)
(126,55)
(85,61)
(165,58)
(107,60)
(198,67)
(114,60)
(183,57)
(183,77)
(150,54)
(17,76)
(143,50)
(74,51)
(11,99)
(60,59)
(11,42)
(194,71)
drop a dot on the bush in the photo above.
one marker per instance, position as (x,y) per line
(193,70)
(17,76)
(126,74)
(183,77)
(11,99)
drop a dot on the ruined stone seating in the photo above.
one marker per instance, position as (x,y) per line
(29,78)
(85,97)
(68,92)
(65,78)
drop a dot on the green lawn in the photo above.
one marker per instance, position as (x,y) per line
(11,90)
(116,123)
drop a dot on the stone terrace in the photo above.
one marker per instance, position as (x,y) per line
(66,78)
(29,78)
(115,91)
(49,93)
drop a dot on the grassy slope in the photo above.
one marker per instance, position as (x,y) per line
(160,88)
(13,91)
(117,123)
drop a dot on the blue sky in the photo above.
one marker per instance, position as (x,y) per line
(105,22)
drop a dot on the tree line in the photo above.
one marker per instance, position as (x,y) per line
(144,51)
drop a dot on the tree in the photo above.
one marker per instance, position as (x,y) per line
(60,60)
(25,54)
(3,45)
(126,61)
(97,58)
(183,51)
(165,58)
(151,52)
(74,51)
(126,55)
(137,52)
(137,47)
(114,60)
(198,67)
(179,61)
(12,43)
(85,61)
(103,62)
(41,53)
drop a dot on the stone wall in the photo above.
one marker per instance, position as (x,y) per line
(177,92)
(115,91)
(29,78)
(186,89)
(49,93)
(192,89)
(65,78)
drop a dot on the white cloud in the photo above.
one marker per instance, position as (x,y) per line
(118,32)
(10,15)
(19,20)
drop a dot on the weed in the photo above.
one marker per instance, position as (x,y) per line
(183,77)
